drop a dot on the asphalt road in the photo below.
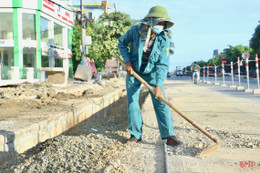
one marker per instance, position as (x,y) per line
(228,80)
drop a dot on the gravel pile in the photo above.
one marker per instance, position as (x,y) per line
(84,153)
(236,140)
(78,150)
(91,146)
(195,141)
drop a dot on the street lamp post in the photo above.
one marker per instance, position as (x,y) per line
(238,70)
(83,31)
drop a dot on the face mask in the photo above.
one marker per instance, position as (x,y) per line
(157,29)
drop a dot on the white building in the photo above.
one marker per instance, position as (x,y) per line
(34,34)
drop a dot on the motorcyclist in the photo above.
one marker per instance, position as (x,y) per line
(195,68)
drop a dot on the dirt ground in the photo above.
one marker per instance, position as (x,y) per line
(17,101)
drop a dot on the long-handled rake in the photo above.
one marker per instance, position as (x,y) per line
(208,150)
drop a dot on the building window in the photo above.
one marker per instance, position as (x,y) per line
(69,43)
(28,57)
(6,26)
(45,61)
(28,27)
(58,62)
(6,62)
(44,30)
(58,35)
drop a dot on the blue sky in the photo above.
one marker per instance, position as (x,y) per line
(200,25)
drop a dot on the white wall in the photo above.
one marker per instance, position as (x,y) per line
(6,3)
(32,4)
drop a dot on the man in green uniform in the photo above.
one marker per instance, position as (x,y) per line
(149,58)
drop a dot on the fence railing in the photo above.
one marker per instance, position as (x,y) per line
(234,81)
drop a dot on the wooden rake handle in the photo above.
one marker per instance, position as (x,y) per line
(196,125)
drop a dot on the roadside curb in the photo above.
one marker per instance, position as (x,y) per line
(12,143)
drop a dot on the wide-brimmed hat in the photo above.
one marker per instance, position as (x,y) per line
(161,14)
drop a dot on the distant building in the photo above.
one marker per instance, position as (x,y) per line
(215,52)
(93,10)
(34,34)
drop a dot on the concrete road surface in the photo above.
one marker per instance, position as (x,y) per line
(232,115)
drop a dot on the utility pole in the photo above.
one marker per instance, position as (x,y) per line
(83,33)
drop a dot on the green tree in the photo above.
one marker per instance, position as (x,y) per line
(201,63)
(76,42)
(255,41)
(215,61)
(171,42)
(187,68)
(233,52)
(105,34)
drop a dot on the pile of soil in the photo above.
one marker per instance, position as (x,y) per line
(26,98)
